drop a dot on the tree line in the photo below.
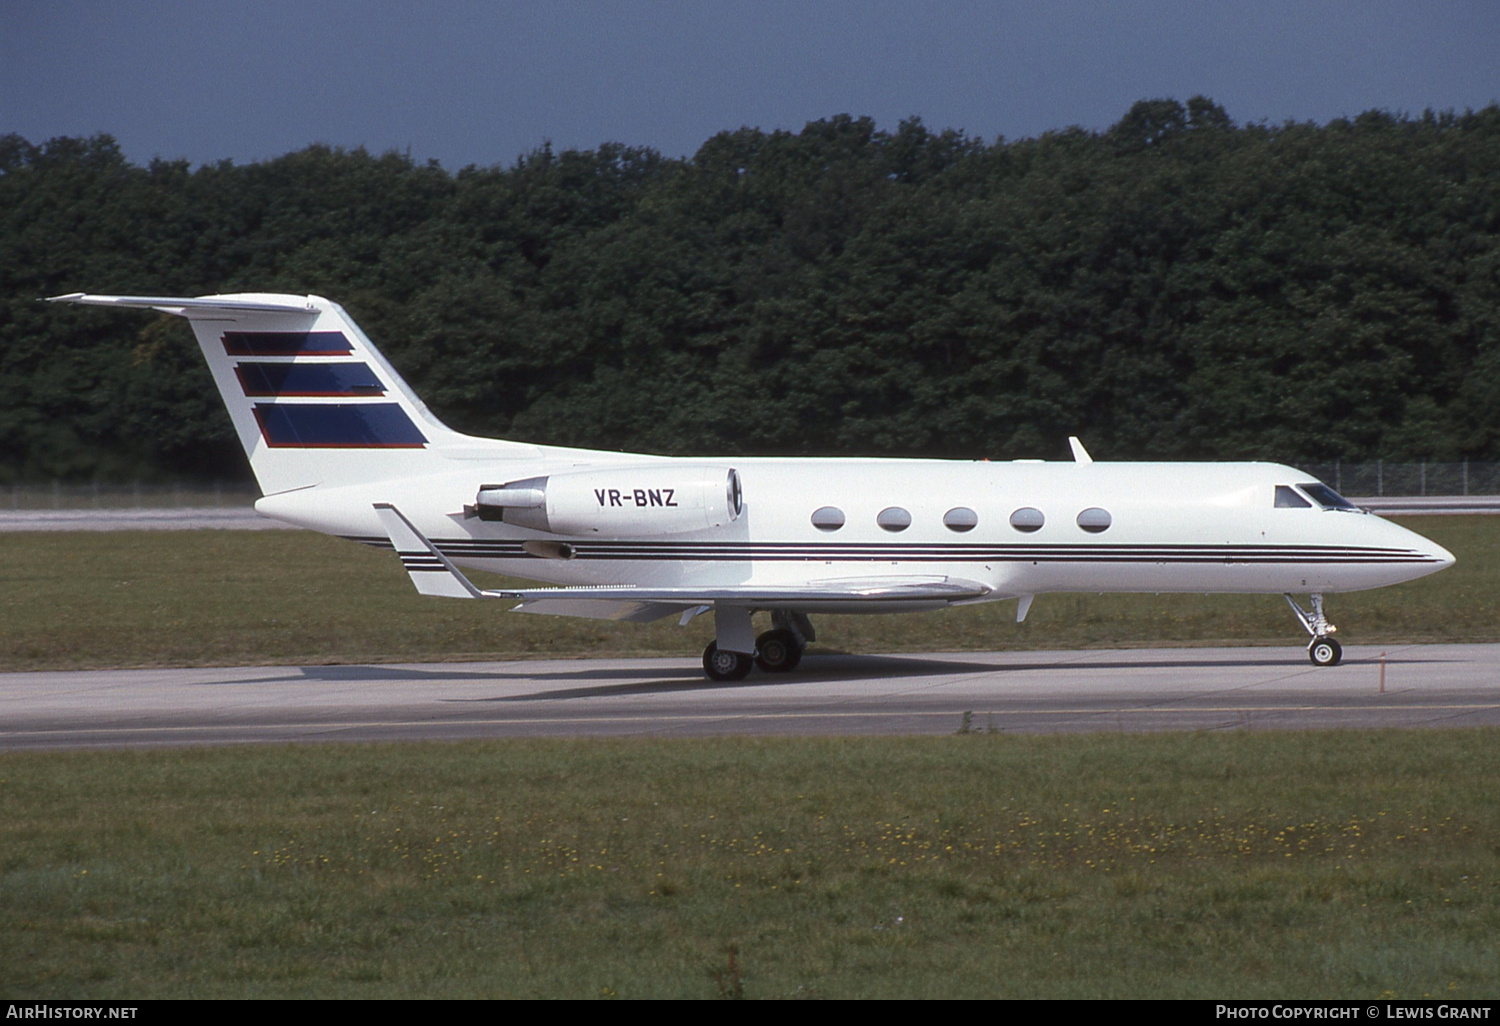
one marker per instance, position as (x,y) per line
(1178,286)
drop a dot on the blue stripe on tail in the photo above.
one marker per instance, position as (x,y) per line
(286,343)
(337,426)
(313,379)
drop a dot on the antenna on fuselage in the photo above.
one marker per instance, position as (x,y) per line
(1080,454)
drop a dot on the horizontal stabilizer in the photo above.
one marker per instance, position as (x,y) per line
(186,307)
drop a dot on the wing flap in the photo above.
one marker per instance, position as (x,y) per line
(844,590)
(600,609)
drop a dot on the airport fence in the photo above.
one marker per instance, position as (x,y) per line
(1356,480)
(1408,479)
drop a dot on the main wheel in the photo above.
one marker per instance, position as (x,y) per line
(1325,652)
(725,665)
(777,651)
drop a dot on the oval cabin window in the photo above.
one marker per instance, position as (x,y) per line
(960,519)
(1027,519)
(828,518)
(1094,520)
(894,519)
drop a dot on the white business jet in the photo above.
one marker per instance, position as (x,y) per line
(340,444)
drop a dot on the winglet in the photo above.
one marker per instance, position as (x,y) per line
(430,570)
(1080,454)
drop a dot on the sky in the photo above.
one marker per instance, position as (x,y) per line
(487,81)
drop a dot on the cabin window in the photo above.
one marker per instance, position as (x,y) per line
(829,518)
(1327,497)
(1287,498)
(894,518)
(1027,519)
(960,519)
(1094,520)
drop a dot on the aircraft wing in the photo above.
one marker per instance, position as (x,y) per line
(435,574)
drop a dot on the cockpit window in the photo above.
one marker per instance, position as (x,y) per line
(1287,498)
(1327,497)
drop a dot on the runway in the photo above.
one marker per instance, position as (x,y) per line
(1005,692)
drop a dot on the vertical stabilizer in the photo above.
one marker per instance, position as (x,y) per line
(312,400)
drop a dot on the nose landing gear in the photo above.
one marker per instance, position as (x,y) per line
(1323,650)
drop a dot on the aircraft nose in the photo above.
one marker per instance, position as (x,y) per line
(1444,558)
(1429,556)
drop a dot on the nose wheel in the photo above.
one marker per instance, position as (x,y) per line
(1322,650)
(1325,652)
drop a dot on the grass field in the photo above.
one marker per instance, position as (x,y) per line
(77,600)
(1355,864)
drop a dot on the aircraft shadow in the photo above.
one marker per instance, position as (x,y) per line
(815,668)
(832,668)
(375,674)
(687,678)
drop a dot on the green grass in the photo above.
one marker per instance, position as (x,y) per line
(231,597)
(1354,864)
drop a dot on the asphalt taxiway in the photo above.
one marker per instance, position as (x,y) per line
(1020,692)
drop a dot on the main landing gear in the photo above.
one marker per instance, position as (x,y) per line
(722,664)
(778,650)
(1322,650)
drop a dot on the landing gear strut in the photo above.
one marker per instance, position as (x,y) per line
(1322,650)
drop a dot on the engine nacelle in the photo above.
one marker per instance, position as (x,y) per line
(630,501)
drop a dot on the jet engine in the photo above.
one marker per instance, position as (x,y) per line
(631,500)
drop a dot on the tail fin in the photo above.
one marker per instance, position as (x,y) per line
(312,400)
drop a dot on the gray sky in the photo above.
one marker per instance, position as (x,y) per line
(468,82)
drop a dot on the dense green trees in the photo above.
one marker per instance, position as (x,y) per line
(1175,287)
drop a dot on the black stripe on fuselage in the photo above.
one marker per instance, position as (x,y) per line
(471,548)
